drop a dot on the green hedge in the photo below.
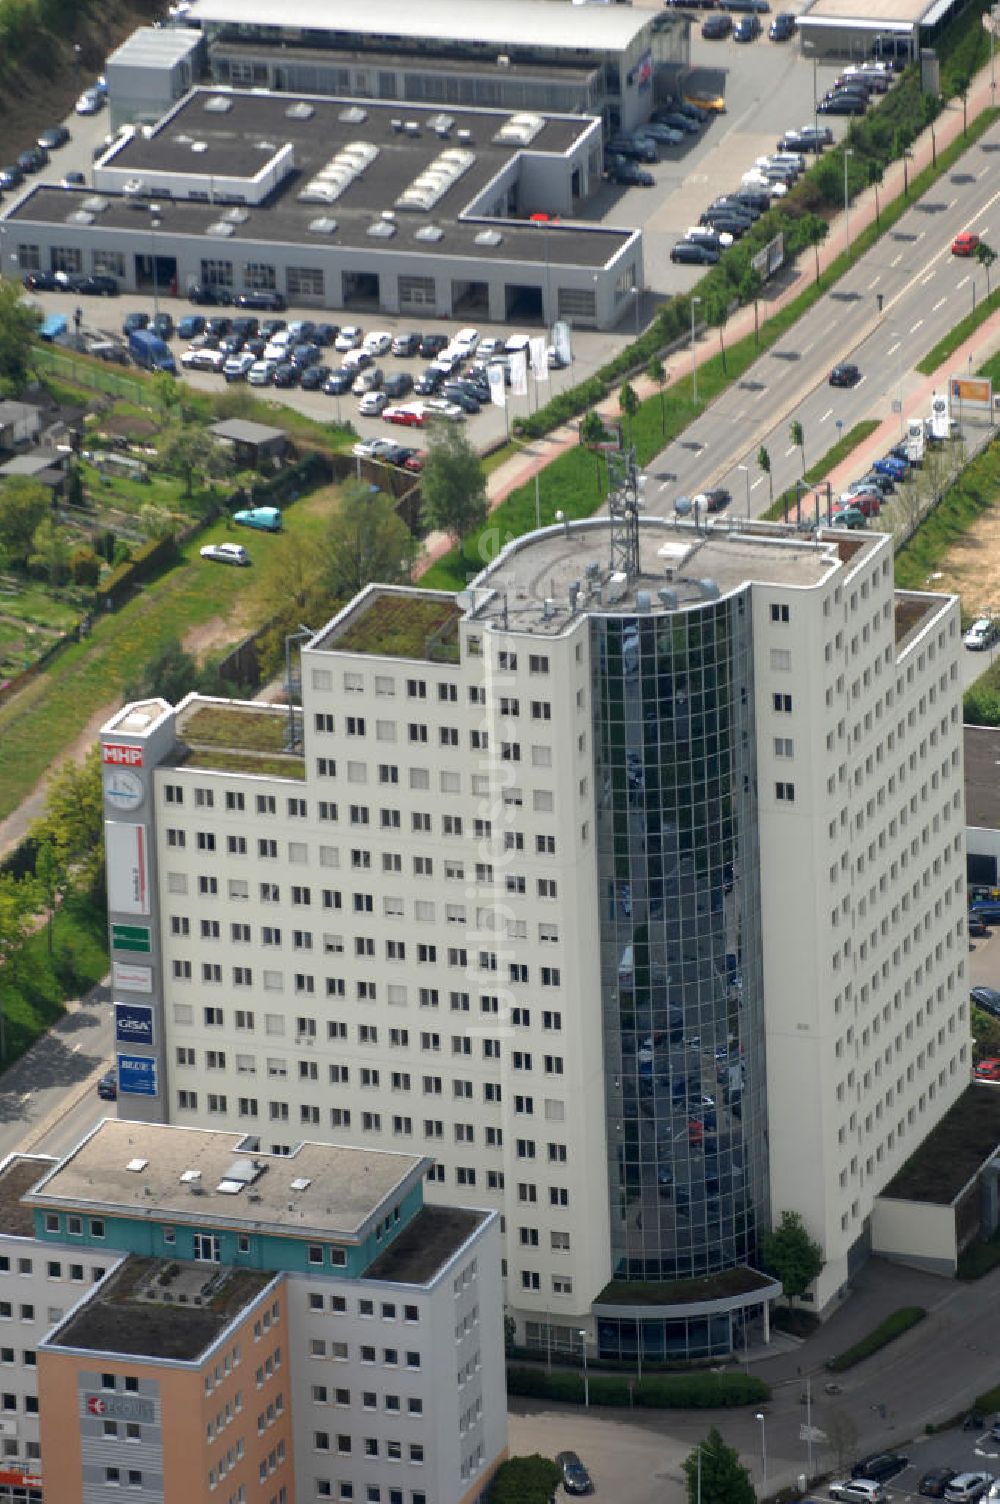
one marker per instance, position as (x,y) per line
(525,1480)
(694,1391)
(887,1331)
(143,564)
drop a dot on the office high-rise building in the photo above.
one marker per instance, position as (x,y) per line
(627,884)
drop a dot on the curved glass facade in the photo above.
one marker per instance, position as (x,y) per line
(680,939)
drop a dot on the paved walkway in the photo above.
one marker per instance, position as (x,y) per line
(520,468)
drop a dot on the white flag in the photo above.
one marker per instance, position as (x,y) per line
(539,359)
(498,394)
(519,373)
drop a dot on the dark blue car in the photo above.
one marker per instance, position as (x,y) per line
(891,466)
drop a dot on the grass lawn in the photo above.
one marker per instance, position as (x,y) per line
(33,994)
(52,710)
(973,493)
(402,626)
(233,726)
(839,452)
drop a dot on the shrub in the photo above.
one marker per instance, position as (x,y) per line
(688,1391)
(887,1331)
(525,1480)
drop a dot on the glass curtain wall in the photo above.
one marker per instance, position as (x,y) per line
(680,939)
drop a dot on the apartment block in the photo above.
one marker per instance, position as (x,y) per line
(258,1328)
(626,885)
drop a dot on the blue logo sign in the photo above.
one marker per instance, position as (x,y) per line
(136,1076)
(133,1024)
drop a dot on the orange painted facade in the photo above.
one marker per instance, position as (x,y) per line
(208,1414)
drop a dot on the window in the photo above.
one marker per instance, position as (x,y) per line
(785,792)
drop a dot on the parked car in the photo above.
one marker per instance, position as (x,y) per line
(53,138)
(748,29)
(261,373)
(315,377)
(372,449)
(33,159)
(988,1070)
(377,342)
(811,138)
(782,27)
(238,367)
(694,253)
(665,135)
(621,170)
(880,1465)
(987,998)
(933,1483)
(73,179)
(982,634)
(964,1488)
(340,381)
(406,344)
(368,380)
(857,1491)
(90,101)
(849,517)
(225,553)
(714,28)
(410,415)
(261,297)
(349,338)
(845,374)
(431,345)
(676,120)
(977,928)
(204,293)
(40,281)
(264,519)
(397,385)
(190,325)
(576,1479)
(107,1086)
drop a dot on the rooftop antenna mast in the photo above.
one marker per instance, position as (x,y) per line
(624,486)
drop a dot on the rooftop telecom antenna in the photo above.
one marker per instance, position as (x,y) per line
(623,505)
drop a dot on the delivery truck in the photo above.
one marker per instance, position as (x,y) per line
(150,351)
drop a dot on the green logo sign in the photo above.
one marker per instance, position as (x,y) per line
(131,937)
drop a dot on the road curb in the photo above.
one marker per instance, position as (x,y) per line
(66,1106)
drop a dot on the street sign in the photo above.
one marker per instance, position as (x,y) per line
(137,937)
(897,406)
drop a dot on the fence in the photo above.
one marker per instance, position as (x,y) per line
(84,370)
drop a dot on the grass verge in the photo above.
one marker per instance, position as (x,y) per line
(887,1331)
(688,1391)
(946,346)
(844,446)
(972,493)
(36,983)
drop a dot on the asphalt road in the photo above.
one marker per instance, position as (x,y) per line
(51,1088)
(925,291)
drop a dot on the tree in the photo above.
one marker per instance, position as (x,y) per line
(962,81)
(525,1480)
(189,452)
(53,879)
(50,553)
(592,433)
(764,465)
(790,1254)
(168,674)
(73,821)
(452,484)
(815,230)
(18,900)
(18,322)
(84,567)
(986,255)
(874,169)
(716,315)
(167,393)
(656,373)
(715,1474)
(798,438)
(628,405)
(750,288)
(985,1034)
(292,593)
(364,541)
(23,504)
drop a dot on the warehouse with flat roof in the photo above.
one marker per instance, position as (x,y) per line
(354,204)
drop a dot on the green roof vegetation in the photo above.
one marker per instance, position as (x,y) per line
(249,728)
(952,1152)
(397,624)
(289,766)
(623,1292)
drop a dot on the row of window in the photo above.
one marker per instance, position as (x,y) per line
(388,1310)
(238,888)
(322,1394)
(374,1493)
(371,1446)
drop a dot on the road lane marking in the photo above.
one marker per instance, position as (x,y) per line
(826,415)
(916,326)
(790,451)
(758,482)
(893,348)
(929,278)
(953,202)
(860,383)
(875,282)
(964,280)
(939,304)
(922,234)
(896,259)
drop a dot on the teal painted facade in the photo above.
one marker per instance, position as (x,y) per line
(250,1249)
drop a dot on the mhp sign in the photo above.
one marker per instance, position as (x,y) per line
(136,1076)
(133,1024)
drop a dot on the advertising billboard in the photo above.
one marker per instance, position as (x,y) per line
(134,1024)
(128,874)
(125,977)
(971,391)
(136,1076)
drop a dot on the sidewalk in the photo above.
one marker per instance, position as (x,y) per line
(520,468)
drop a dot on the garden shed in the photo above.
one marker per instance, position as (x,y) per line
(253,443)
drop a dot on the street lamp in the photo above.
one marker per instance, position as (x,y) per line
(636,294)
(694,364)
(746,472)
(899,376)
(763,1446)
(586,1381)
(154,225)
(847,203)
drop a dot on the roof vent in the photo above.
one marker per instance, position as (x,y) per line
(412,127)
(643,600)
(489,237)
(79,217)
(353,115)
(236,216)
(442,124)
(300,110)
(199,146)
(220,228)
(230,1187)
(137,1165)
(301,1183)
(190,1177)
(397,125)
(244,1170)
(94,204)
(431,233)
(548,608)
(668,598)
(592,570)
(324,225)
(709,590)
(465,137)
(382,229)
(519,130)
(217,104)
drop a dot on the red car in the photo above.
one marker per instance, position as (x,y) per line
(964,244)
(407,417)
(987,1070)
(868,502)
(415,463)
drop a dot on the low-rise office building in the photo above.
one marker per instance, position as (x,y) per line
(349,204)
(248,1327)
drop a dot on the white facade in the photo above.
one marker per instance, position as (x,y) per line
(403,950)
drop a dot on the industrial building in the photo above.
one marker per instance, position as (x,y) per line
(190,1317)
(628,884)
(356,205)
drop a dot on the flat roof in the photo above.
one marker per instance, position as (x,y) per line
(152,46)
(394,622)
(876,13)
(325,1190)
(199,141)
(244,431)
(130,1312)
(695,565)
(235,736)
(17,1176)
(982,776)
(530,23)
(961,1143)
(426,1244)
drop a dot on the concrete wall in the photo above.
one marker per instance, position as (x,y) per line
(912,1232)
